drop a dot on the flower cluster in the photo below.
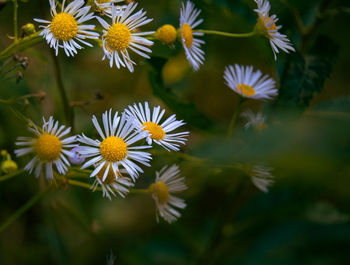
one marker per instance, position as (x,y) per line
(117,157)
(72,26)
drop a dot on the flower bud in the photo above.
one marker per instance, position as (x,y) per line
(8,166)
(166,34)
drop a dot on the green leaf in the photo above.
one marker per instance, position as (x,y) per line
(303,77)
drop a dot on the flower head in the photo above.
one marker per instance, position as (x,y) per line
(115,150)
(262,177)
(121,36)
(257,121)
(110,185)
(66,27)
(249,84)
(191,45)
(157,132)
(49,148)
(168,181)
(166,34)
(268,25)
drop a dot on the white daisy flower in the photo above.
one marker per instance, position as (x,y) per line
(49,148)
(192,45)
(257,121)
(105,6)
(268,24)
(111,185)
(250,84)
(168,181)
(66,27)
(262,177)
(148,121)
(121,36)
(116,148)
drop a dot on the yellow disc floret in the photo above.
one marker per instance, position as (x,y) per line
(110,175)
(48,147)
(64,27)
(246,90)
(166,34)
(187,35)
(156,131)
(118,37)
(113,149)
(161,190)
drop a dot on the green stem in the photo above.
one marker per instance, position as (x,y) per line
(11,175)
(67,109)
(234,116)
(15,12)
(79,184)
(24,208)
(227,34)
(21,45)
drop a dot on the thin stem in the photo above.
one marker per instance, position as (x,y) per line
(227,34)
(15,12)
(67,109)
(234,116)
(11,175)
(24,208)
(79,184)
(21,45)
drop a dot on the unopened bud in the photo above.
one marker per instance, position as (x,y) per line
(166,34)
(8,166)
(29,29)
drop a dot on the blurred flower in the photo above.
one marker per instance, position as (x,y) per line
(257,121)
(7,166)
(148,121)
(48,146)
(194,54)
(168,181)
(166,34)
(267,24)
(66,27)
(111,184)
(76,157)
(326,213)
(261,177)
(110,259)
(115,149)
(119,37)
(250,84)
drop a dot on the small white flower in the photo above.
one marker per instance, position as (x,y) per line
(268,23)
(66,27)
(257,121)
(49,148)
(121,36)
(262,177)
(105,6)
(168,181)
(158,132)
(116,148)
(111,185)
(250,84)
(191,45)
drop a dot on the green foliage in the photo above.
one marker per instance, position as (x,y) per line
(303,77)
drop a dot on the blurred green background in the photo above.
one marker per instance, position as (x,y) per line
(305,217)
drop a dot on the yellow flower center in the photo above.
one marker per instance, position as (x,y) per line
(166,34)
(187,35)
(64,27)
(246,90)
(48,147)
(113,149)
(156,131)
(161,190)
(110,175)
(265,21)
(118,36)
